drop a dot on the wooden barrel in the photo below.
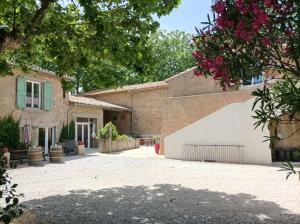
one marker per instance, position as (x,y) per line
(56,154)
(35,156)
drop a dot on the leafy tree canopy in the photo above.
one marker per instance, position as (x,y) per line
(171,53)
(72,34)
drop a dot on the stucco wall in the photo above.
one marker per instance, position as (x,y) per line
(86,112)
(179,112)
(36,117)
(231,125)
(146,108)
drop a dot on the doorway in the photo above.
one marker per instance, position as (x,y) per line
(83,133)
(86,131)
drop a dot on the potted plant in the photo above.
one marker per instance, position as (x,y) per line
(157,144)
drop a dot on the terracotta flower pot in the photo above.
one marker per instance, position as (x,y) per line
(157,147)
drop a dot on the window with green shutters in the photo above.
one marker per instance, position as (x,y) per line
(29,94)
(21,92)
(48,92)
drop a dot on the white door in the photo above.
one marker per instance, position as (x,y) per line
(83,133)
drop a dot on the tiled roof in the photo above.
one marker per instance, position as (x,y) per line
(51,73)
(92,102)
(149,85)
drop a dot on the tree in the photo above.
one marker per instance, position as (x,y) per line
(169,54)
(247,37)
(78,33)
(172,52)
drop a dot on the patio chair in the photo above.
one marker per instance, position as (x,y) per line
(69,147)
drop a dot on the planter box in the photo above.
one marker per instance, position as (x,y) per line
(80,150)
(107,146)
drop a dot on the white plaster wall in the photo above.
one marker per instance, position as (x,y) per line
(231,125)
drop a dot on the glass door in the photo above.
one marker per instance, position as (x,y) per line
(83,134)
(86,136)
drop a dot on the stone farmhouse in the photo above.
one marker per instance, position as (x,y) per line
(189,113)
(38,99)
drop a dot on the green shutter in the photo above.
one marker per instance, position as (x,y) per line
(21,92)
(48,102)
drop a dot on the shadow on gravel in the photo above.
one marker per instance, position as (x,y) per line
(157,204)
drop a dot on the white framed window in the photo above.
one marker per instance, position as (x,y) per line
(33,94)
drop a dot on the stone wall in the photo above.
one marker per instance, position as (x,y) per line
(146,107)
(75,111)
(36,117)
(122,120)
(187,84)
(288,132)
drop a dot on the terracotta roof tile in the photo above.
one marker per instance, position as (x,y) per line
(92,102)
(149,85)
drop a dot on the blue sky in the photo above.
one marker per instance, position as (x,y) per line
(188,15)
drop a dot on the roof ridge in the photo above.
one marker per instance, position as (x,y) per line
(128,88)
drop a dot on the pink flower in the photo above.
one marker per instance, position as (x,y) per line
(219,7)
(197,73)
(269,3)
(219,60)
(266,42)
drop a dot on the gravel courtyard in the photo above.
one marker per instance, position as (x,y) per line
(137,187)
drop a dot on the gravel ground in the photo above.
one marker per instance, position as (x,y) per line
(137,187)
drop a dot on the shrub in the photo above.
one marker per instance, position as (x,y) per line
(9,132)
(68,133)
(123,138)
(157,139)
(104,132)
(12,207)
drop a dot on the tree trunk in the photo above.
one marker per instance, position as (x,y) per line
(14,39)
(10,41)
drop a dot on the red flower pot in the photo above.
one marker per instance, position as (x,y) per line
(157,147)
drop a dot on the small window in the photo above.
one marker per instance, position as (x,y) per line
(82,119)
(115,118)
(33,94)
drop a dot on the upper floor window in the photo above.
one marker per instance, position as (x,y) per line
(33,94)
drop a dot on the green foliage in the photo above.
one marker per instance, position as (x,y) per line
(12,208)
(69,35)
(172,52)
(290,169)
(157,139)
(169,54)
(72,130)
(105,131)
(9,132)
(123,137)
(67,132)
(277,104)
